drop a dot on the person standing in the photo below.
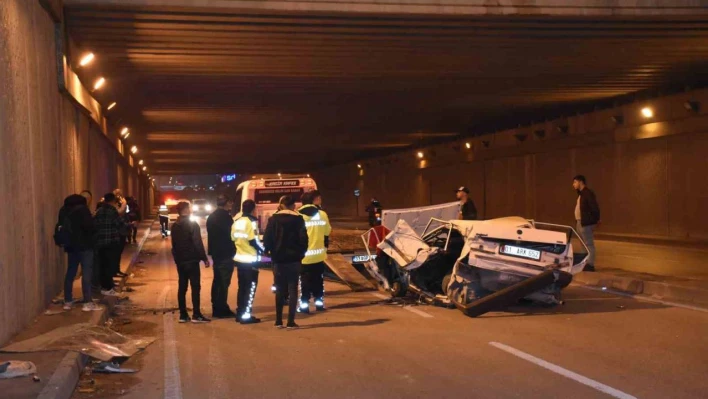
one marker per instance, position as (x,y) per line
(285,239)
(108,224)
(248,255)
(467,209)
(76,217)
(313,266)
(587,217)
(133,215)
(188,251)
(222,251)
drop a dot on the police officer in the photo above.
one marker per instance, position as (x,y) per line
(248,253)
(318,231)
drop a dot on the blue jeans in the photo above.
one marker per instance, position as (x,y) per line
(588,235)
(85,258)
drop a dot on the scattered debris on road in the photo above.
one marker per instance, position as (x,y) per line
(17,368)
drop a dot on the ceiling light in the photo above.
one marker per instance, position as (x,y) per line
(420,154)
(358,165)
(124,131)
(141,162)
(134,149)
(86,59)
(100,82)
(647,112)
(145,168)
(126,136)
(468,145)
(111,106)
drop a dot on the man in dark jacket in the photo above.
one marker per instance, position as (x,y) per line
(222,251)
(467,209)
(285,239)
(109,223)
(77,216)
(188,251)
(587,216)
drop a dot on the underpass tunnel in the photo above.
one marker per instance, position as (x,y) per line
(401,101)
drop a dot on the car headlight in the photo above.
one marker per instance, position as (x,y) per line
(195,208)
(208,208)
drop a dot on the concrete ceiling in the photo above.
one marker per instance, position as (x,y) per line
(208,90)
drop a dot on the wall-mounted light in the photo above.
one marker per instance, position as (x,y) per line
(134,149)
(86,59)
(647,112)
(468,145)
(141,162)
(145,168)
(124,131)
(99,83)
(420,154)
(618,119)
(358,165)
(111,106)
(486,143)
(562,129)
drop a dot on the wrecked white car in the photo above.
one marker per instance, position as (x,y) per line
(477,266)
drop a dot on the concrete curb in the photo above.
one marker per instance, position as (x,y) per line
(692,296)
(62,383)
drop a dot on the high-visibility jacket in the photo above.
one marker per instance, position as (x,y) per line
(243,231)
(318,227)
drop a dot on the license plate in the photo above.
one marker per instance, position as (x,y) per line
(522,252)
(362,258)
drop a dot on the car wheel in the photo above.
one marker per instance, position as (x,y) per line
(399,289)
(446,282)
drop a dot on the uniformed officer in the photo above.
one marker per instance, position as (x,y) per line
(248,254)
(313,266)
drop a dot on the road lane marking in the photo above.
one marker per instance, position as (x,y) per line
(173,381)
(564,372)
(411,309)
(642,298)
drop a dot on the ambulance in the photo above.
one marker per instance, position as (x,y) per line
(266,191)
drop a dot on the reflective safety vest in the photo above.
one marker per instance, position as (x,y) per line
(317,228)
(243,231)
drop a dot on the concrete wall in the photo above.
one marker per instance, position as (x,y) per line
(49,148)
(649,174)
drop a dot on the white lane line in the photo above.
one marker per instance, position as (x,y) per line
(642,298)
(564,372)
(173,381)
(411,309)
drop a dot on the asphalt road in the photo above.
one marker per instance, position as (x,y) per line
(596,345)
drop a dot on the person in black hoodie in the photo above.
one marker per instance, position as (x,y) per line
(285,239)
(188,251)
(80,250)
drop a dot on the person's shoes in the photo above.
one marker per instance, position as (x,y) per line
(110,292)
(90,307)
(249,320)
(200,319)
(279,325)
(68,305)
(304,308)
(223,315)
(184,318)
(589,268)
(292,326)
(320,306)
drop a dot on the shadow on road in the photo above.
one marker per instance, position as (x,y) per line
(364,323)
(579,305)
(354,305)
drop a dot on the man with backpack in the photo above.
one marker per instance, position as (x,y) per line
(75,232)
(109,243)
